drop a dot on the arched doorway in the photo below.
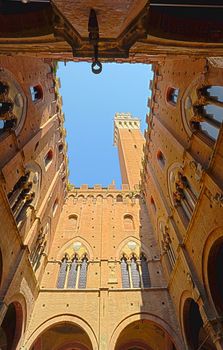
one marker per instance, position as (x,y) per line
(196,336)
(143,335)
(11,327)
(63,336)
(215,280)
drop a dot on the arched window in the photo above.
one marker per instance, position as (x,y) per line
(72,277)
(73,273)
(172,95)
(161,159)
(40,247)
(211,93)
(146,283)
(48,158)
(73,221)
(62,273)
(128,222)
(36,92)
(21,196)
(207,113)
(83,273)
(125,273)
(135,276)
(167,245)
(185,198)
(207,119)
(135,272)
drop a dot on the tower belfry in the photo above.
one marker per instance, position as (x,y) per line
(129,140)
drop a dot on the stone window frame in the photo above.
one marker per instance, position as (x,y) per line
(71,271)
(134,272)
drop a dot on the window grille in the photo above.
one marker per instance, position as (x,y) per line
(145,272)
(62,274)
(125,273)
(72,277)
(83,274)
(135,273)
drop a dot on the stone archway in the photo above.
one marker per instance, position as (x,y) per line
(144,332)
(63,336)
(64,319)
(11,327)
(143,335)
(214,274)
(195,333)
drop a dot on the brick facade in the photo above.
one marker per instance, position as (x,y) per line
(106,268)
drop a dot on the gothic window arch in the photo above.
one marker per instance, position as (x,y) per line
(40,247)
(166,245)
(72,276)
(73,272)
(62,272)
(134,273)
(185,197)
(74,268)
(24,194)
(83,273)
(205,116)
(125,273)
(146,282)
(134,267)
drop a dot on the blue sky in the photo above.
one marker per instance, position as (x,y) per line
(89,103)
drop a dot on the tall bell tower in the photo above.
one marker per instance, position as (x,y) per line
(129,140)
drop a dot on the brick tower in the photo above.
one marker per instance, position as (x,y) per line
(129,140)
